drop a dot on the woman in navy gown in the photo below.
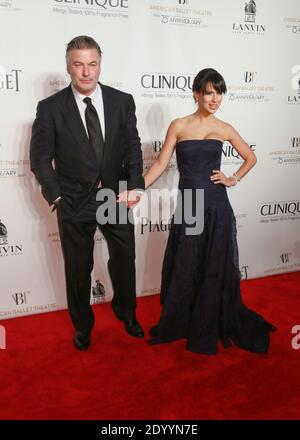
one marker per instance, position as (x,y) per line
(200,290)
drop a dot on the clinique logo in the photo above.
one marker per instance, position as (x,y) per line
(228,151)
(10,80)
(104,4)
(167,81)
(273,209)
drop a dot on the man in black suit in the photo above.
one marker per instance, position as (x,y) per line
(89,131)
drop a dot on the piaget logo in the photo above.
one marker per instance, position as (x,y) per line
(149,226)
(100,8)
(10,79)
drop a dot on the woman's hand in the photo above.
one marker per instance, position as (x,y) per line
(129,197)
(219,177)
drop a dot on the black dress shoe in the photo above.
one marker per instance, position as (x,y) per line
(133,328)
(81,340)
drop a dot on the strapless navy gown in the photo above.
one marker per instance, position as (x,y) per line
(200,290)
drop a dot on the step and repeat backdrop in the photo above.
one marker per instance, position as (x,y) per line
(152,49)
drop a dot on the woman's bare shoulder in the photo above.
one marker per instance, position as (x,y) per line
(224,127)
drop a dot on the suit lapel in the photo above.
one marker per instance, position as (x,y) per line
(109,117)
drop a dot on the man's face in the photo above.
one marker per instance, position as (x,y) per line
(84,69)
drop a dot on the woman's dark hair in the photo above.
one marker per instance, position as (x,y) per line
(211,76)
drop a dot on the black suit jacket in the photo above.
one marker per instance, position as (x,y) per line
(63,159)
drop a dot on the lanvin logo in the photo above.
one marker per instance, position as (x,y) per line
(5,248)
(295,98)
(249,26)
(98,293)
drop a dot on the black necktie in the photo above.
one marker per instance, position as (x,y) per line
(94,129)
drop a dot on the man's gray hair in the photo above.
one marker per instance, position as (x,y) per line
(82,42)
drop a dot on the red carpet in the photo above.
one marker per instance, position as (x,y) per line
(44,377)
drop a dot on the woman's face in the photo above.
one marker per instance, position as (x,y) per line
(210,101)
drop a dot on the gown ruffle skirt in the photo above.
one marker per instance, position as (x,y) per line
(200,289)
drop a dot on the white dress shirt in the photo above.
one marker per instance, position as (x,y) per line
(97,102)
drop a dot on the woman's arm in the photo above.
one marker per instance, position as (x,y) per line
(157,168)
(244,151)
(161,163)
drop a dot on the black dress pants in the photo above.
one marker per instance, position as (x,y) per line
(77,239)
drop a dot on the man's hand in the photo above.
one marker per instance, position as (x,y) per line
(129,197)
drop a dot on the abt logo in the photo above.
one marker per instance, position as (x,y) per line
(285,257)
(249,77)
(2,338)
(296,339)
(295,142)
(20,298)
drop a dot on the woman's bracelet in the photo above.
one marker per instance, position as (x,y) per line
(235,177)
